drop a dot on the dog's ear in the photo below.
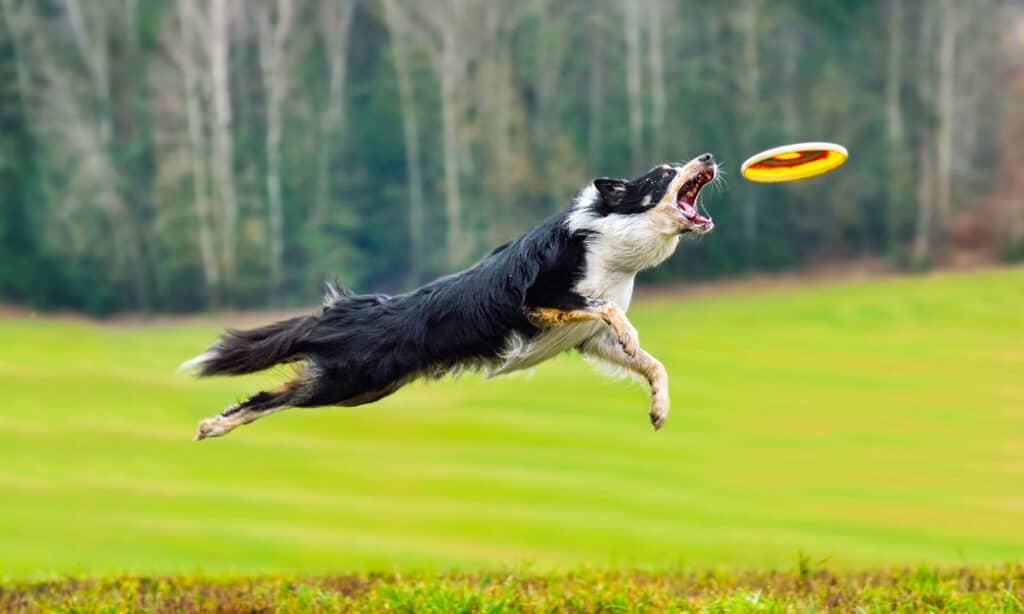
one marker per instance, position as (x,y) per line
(611,190)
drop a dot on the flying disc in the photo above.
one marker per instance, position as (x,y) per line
(794,162)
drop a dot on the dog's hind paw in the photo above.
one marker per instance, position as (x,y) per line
(216,426)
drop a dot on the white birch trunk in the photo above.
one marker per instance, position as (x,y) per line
(335,19)
(921,250)
(449,130)
(656,62)
(631,26)
(187,16)
(275,26)
(949,19)
(223,146)
(750,86)
(894,129)
(411,137)
(595,100)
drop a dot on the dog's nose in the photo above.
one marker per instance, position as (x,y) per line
(705,158)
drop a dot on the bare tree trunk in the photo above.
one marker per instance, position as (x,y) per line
(894,121)
(223,147)
(1012,218)
(335,20)
(921,251)
(947,102)
(411,135)
(449,130)
(93,48)
(275,24)
(197,141)
(750,85)
(631,26)
(502,137)
(595,100)
(655,59)
(454,34)
(552,47)
(500,91)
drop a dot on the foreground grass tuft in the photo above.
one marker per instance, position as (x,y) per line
(980,589)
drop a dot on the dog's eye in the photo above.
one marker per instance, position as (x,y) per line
(668,174)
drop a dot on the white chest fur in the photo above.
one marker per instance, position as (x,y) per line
(607,285)
(620,247)
(623,245)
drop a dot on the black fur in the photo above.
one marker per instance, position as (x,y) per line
(248,351)
(628,197)
(363,347)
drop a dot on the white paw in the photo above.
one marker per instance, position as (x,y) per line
(659,411)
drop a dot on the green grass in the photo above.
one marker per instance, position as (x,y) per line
(869,424)
(986,590)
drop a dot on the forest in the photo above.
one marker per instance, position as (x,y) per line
(186,155)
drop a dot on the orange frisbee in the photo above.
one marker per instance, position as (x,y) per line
(794,162)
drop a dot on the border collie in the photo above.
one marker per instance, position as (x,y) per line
(564,285)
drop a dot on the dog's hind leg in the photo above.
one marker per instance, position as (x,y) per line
(255,407)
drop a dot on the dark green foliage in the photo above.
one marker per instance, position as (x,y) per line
(1012,251)
(19,251)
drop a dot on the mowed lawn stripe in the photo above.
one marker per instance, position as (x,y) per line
(866,422)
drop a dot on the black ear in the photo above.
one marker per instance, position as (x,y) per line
(611,190)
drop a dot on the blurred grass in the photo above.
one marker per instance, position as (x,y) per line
(869,423)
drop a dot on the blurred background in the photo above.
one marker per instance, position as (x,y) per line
(210,163)
(181,155)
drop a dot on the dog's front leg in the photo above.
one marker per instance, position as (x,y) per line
(605,347)
(593,309)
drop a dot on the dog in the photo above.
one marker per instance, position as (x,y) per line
(566,284)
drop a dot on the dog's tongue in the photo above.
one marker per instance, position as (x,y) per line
(691,213)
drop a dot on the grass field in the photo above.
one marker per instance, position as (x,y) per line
(872,424)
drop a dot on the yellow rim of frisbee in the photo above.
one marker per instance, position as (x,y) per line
(794,162)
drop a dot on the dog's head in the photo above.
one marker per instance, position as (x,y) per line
(667,194)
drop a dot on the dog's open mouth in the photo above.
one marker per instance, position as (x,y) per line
(686,200)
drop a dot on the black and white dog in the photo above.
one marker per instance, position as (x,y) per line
(564,285)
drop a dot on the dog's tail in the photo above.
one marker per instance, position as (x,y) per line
(248,351)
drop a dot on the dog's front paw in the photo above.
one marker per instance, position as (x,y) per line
(659,410)
(658,420)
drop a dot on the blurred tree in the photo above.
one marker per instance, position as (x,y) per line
(275,20)
(20,251)
(182,154)
(399,30)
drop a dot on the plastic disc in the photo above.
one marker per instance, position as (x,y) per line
(794,162)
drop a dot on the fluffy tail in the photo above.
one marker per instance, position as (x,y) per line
(248,351)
